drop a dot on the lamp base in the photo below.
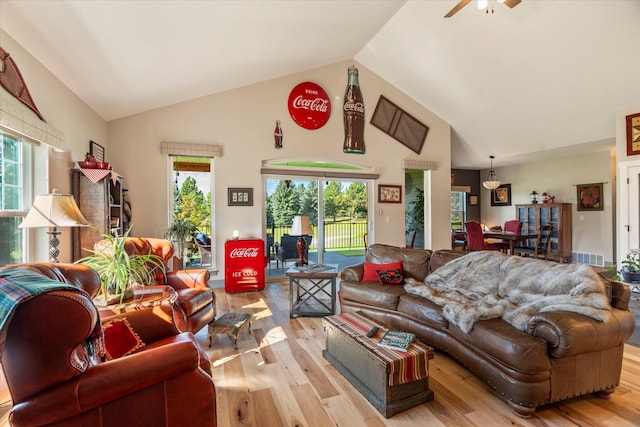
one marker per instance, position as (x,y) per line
(54,242)
(301,244)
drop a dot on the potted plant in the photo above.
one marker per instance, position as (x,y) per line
(118,270)
(631,267)
(181,231)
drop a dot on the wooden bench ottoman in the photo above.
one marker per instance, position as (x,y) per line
(392,381)
(230,324)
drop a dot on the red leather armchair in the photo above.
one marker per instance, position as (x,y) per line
(196,303)
(54,379)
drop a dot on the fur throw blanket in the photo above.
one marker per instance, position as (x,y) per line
(491,285)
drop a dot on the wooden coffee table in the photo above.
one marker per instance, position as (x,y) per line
(380,374)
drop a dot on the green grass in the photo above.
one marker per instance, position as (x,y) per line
(351,252)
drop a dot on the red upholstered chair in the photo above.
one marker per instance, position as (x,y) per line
(196,302)
(57,376)
(511,226)
(475,238)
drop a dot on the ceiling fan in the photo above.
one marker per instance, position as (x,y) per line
(482,4)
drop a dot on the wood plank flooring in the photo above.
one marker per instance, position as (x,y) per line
(278,377)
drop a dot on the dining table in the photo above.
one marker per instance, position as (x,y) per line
(510,236)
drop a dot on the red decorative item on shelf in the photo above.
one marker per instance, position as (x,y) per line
(309,105)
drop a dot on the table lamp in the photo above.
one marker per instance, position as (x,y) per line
(54,210)
(301,227)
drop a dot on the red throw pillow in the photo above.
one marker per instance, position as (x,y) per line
(370,270)
(120,339)
(390,277)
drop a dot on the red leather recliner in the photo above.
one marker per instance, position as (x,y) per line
(54,380)
(196,303)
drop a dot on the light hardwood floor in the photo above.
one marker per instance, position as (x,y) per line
(278,377)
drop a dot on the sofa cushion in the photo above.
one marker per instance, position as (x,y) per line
(119,338)
(371,269)
(422,310)
(372,293)
(415,262)
(390,276)
(497,339)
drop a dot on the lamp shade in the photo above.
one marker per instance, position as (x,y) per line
(301,226)
(54,210)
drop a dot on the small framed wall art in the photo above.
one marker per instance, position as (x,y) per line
(501,196)
(633,134)
(389,193)
(590,197)
(97,150)
(240,197)
(473,200)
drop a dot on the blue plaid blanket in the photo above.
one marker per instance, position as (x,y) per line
(18,286)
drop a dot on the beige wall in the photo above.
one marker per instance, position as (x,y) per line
(241,121)
(63,110)
(592,231)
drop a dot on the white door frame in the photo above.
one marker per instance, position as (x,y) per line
(628,195)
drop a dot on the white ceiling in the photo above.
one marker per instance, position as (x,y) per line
(545,75)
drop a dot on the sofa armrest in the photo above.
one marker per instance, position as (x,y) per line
(572,333)
(354,273)
(107,382)
(183,279)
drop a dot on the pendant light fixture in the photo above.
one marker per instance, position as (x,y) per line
(492,182)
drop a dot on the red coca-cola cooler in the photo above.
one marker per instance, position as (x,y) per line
(244,265)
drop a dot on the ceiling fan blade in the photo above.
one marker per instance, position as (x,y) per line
(512,3)
(459,6)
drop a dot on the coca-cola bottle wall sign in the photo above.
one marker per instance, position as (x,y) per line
(353,111)
(309,105)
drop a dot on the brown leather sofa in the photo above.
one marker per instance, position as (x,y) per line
(55,378)
(564,354)
(196,303)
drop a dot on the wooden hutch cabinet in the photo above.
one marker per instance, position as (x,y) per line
(101,204)
(559,216)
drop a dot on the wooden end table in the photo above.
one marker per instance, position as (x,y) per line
(314,286)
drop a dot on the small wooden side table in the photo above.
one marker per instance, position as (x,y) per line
(230,324)
(314,286)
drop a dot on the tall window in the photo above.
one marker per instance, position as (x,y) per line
(458,209)
(12,192)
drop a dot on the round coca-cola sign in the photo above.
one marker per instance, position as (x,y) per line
(309,105)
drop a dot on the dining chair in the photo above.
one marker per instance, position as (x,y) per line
(475,238)
(541,247)
(511,226)
(412,241)
(458,239)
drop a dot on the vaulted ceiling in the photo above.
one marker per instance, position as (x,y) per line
(544,78)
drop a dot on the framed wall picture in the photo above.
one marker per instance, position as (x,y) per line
(590,197)
(633,134)
(399,125)
(501,196)
(389,193)
(240,197)
(473,200)
(97,150)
